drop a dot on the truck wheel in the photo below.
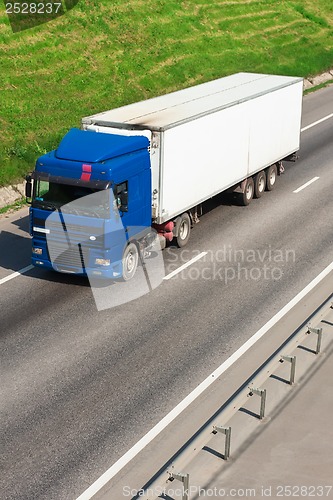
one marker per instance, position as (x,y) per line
(183,230)
(271,176)
(259,184)
(130,261)
(246,197)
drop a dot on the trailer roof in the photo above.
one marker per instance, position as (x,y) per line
(163,112)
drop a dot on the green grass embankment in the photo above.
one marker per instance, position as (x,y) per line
(106,53)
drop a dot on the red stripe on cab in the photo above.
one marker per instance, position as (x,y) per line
(85,176)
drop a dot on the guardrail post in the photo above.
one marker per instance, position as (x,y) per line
(319,332)
(183,478)
(227,432)
(292,360)
(262,394)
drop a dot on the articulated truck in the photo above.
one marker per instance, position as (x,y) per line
(150,165)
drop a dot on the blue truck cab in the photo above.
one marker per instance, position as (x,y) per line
(90,199)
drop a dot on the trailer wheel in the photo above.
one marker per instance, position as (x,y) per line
(247,195)
(130,261)
(259,184)
(183,230)
(271,176)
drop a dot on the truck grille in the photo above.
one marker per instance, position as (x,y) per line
(72,233)
(77,233)
(73,256)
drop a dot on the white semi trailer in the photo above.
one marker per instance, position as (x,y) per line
(227,134)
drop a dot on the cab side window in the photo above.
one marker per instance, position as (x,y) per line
(121,196)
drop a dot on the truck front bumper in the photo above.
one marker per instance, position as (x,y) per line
(82,263)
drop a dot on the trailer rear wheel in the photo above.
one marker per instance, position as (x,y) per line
(271,176)
(130,261)
(247,195)
(183,230)
(259,184)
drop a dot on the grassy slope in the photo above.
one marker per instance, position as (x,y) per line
(106,53)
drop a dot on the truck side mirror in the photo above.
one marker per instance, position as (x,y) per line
(28,187)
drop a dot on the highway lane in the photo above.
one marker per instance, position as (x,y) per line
(79,387)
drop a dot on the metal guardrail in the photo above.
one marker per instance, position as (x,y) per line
(253,386)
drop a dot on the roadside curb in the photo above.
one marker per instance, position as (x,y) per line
(318,80)
(11,194)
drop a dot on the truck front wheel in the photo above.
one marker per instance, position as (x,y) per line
(183,228)
(130,261)
(271,176)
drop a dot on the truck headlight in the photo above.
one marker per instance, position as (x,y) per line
(102,262)
(37,251)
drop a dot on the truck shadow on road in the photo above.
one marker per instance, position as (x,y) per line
(22,223)
(15,254)
(15,245)
(15,251)
(55,277)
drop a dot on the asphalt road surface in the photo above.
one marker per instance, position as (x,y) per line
(80,386)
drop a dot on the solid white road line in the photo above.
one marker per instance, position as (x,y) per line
(184,266)
(14,275)
(158,428)
(305,185)
(317,122)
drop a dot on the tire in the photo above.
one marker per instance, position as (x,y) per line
(246,197)
(259,184)
(183,230)
(130,261)
(271,176)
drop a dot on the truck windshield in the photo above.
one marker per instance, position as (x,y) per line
(82,200)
